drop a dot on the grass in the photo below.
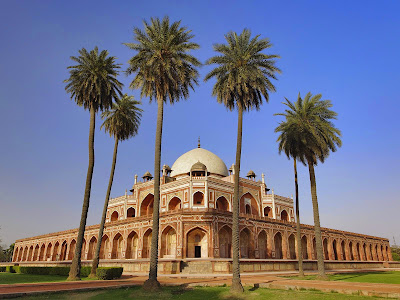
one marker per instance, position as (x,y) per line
(392,277)
(12,278)
(198,293)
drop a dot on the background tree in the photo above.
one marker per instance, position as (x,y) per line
(291,144)
(243,76)
(121,122)
(164,70)
(92,85)
(312,117)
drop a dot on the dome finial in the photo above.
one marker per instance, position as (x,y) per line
(198,142)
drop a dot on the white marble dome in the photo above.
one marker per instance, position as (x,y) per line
(185,162)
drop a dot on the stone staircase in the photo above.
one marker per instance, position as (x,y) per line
(196,267)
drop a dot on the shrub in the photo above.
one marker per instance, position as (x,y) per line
(61,271)
(10,269)
(396,256)
(109,273)
(3,269)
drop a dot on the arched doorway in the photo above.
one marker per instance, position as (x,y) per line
(262,244)
(71,253)
(92,245)
(343,250)
(168,243)
(114,216)
(364,251)
(146,208)
(198,199)
(55,251)
(292,246)
(358,247)
(225,242)
(314,245)
(246,249)
(147,243)
(335,252)
(117,247)
(197,243)
(304,247)
(174,204)
(278,245)
(284,216)
(25,255)
(130,213)
(21,251)
(132,245)
(36,253)
(325,245)
(104,247)
(248,205)
(268,212)
(41,252)
(222,204)
(63,255)
(351,251)
(30,253)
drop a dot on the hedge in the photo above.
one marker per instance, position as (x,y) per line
(102,273)
(109,273)
(62,271)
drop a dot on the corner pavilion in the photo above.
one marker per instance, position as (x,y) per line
(195,227)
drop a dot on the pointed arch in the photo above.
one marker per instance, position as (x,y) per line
(325,246)
(284,215)
(222,204)
(146,207)
(278,245)
(197,243)
(335,250)
(104,247)
(71,252)
(168,242)
(225,242)
(117,246)
(132,245)
(114,216)
(304,247)
(55,251)
(198,198)
(249,205)
(268,212)
(262,244)
(130,212)
(292,246)
(36,253)
(41,252)
(174,204)
(147,243)
(92,247)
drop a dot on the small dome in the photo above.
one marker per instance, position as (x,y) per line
(251,174)
(147,175)
(198,167)
(213,163)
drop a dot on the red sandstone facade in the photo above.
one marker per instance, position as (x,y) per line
(195,222)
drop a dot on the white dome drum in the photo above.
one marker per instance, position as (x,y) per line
(184,163)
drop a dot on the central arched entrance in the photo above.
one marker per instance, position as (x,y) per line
(197,243)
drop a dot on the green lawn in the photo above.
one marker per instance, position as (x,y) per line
(372,277)
(199,293)
(11,278)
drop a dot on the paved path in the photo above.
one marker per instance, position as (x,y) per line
(268,280)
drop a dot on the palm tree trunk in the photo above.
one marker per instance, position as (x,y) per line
(152,283)
(317,226)
(299,245)
(96,258)
(237,286)
(74,272)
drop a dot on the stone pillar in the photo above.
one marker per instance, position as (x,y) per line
(331,254)
(140,242)
(270,243)
(285,245)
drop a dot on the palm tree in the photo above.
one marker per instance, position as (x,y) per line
(243,76)
(312,119)
(121,122)
(164,70)
(93,85)
(291,144)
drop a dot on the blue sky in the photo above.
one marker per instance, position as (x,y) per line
(346,50)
